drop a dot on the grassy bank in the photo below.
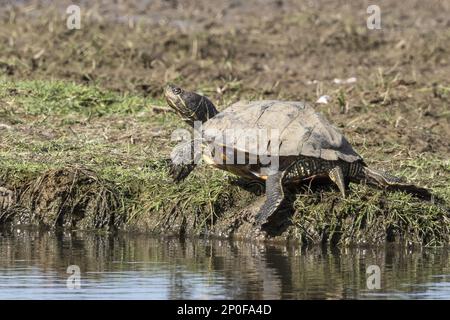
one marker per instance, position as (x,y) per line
(82,157)
(62,143)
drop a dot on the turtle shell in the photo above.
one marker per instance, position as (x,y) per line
(298,128)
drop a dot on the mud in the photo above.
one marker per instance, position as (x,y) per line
(72,198)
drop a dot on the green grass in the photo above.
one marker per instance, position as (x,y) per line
(65,146)
(66,98)
(138,171)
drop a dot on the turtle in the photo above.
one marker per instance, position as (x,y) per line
(308,146)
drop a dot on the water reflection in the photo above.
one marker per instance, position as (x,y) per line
(33,266)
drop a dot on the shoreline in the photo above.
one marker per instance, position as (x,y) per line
(89,181)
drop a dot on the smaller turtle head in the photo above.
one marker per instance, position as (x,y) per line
(189,105)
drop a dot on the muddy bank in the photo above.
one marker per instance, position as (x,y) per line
(78,199)
(67,198)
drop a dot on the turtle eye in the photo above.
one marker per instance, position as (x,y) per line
(176,90)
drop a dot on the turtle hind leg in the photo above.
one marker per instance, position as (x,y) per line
(274,197)
(337,176)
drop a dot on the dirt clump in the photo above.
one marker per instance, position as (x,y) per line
(71,198)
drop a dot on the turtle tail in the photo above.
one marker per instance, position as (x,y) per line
(384,180)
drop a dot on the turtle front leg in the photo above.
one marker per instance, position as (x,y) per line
(274,197)
(183,160)
(179,172)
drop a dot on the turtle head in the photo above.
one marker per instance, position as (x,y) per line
(189,105)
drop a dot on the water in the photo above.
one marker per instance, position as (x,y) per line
(33,265)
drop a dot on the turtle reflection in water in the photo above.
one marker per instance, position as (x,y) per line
(308,146)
